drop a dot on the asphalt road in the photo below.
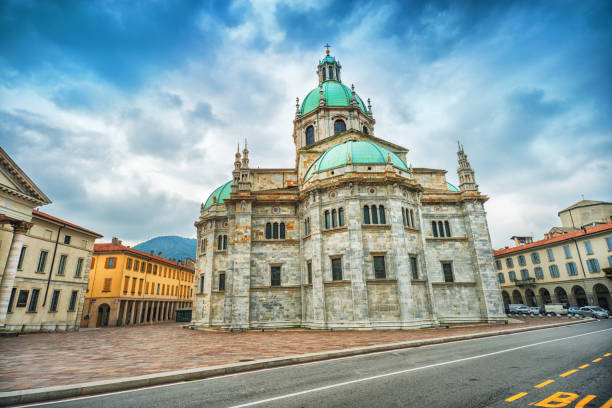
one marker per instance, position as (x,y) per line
(560,367)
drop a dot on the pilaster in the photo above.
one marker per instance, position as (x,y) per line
(354,260)
(316,245)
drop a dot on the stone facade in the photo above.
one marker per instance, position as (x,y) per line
(294,247)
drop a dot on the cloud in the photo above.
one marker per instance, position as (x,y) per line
(128,116)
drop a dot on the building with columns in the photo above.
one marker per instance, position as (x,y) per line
(129,287)
(44,260)
(349,237)
(571,265)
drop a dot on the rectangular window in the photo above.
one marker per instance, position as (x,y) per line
(22,299)
(498,265)
(309,271)
(67,239)
(158,288)
(275,276)
(554,271)
(336,264)
(379,267)
(414,267)
(42,260)
(521,260)
(73,300)
(126,284)
(535,258)
(221,281)
(140,286)
(447,269)
(135,265)
(11,299)
(154,269)
(149,268)
(501,278)
(512,276)
(33,301)
(54,301)
(587,246)
(128,264)
(549,252)
(107,285)
(134,280)
(79,268)
(524,274)
(201,283)
(538,272)
(509,263)
(62,264)
(593,265)
(566,249)
(110,262)
(21,256)
(609,243)
(142,266)
(571,269)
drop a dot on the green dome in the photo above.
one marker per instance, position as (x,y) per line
(328,58)
(220,193)
(451,187)
(335,94)
(361,152)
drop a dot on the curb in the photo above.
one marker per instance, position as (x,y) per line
(127,383)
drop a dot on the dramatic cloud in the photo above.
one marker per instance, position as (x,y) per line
(127,115)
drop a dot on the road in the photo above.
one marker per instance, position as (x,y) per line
(560,367)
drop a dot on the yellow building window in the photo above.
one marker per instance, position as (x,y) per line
(140,286)
(134,280)
(110,262)
(126,284)
(128,264)
(107,285)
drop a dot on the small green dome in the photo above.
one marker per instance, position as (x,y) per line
(220,193)
(335,94)
(451,187)
(328,58)
(361,152)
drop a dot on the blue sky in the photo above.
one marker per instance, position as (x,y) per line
(127,114)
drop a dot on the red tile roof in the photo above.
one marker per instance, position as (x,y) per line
(69,224)
(558,238)
(109,247)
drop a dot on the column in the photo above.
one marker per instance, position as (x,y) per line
(133,312)
(353,258)
(319,317)
(8,278)
(165,312)
(143,308)
(125,304)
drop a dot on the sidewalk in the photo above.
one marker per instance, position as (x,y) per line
(52,359)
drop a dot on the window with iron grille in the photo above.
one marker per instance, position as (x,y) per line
(275,275)
(336,268)
(379,267)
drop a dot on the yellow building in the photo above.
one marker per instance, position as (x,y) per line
(128,287)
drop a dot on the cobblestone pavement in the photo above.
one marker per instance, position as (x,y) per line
(47,359)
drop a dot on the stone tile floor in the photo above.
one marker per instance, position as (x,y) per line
(47,359)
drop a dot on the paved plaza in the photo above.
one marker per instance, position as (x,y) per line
(63,358)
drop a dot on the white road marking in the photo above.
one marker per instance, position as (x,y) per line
(409,370)
(319,362)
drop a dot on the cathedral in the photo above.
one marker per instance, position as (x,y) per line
(349,238)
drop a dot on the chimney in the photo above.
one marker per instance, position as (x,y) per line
(152,252)
(116,241)
(159,254)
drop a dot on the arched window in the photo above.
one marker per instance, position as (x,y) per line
(447,228)
(282,230)
(404,216)
(381,214)
(337,74)
(334,218)
(434,229)
(275,230)
(341,216)
(324,75)
(440,228)
(225,242)
(331,72)
(309,135)
(339,126)
(220,243)
(366,214)
(268,231)
(365,130)
(327,223)
(374,215)
(412,219)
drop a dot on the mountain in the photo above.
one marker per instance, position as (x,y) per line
(171,247)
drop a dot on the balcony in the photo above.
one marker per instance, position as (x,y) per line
(524,282)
